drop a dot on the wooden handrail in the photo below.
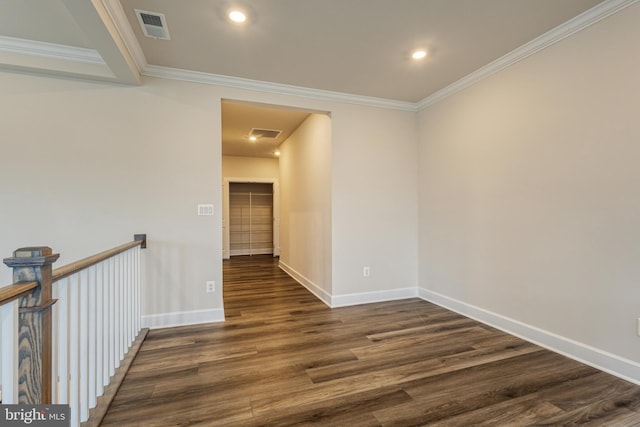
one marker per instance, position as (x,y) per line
(74,267)
(20,289)
(16,290)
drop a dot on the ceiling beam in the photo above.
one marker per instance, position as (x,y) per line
(95,21)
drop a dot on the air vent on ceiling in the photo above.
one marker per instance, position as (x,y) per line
(265,133)
(153,24)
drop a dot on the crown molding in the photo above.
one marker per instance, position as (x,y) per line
(78,55)
(50,50)
(276,88)
(53,59)
(572,26)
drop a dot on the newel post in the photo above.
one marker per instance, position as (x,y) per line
(34,371)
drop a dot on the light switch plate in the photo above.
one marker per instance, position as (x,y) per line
(205,210)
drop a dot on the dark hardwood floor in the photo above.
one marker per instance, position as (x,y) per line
(283,358)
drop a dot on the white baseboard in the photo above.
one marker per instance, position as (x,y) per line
(349,299)
(602,360)
(182,318)
(243,252)
(369,297)
(311,287)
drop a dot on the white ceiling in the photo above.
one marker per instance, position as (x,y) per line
(355,49)
(239,118)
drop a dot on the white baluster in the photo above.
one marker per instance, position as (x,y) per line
(127,301)
(91,334)
(122,313)
(62,309)
(108,319)
(99,296)
(9,324)
(130,299)
(55,378)
(74,348)
(113,315)
(118,309)
(136,294)
(84,345)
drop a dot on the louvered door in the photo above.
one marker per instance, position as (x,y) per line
(250,219)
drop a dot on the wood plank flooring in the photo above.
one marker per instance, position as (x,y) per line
(283,358)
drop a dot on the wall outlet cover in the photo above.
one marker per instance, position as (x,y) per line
(205,210)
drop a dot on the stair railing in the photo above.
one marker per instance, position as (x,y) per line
(69,334)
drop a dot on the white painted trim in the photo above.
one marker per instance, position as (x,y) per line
(572,26)
(50,58)
(311,287)
(50,50)
(578,23)
(349,299)
(242,252)
(182,318)
(12,45)
(60,52)
(376,296)
(121,23)
(605,361)
(277,88)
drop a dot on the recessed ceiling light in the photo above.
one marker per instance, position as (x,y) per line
(419,54)
(237,16)
(277,154)
(253,138)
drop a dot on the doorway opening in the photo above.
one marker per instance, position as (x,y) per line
(289,149)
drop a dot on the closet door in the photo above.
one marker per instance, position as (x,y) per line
(239,224)
(250,219)
(261,223)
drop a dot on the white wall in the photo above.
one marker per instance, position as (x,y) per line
(529,201)
(375,197)
(250,167)
(86,165)
(305,204)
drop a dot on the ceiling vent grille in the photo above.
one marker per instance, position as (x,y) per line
(153,24)
(265,133)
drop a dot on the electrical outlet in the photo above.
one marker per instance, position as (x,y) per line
(366,271)
(211,286)
(638,327)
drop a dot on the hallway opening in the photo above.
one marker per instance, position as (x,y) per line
(289,149)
